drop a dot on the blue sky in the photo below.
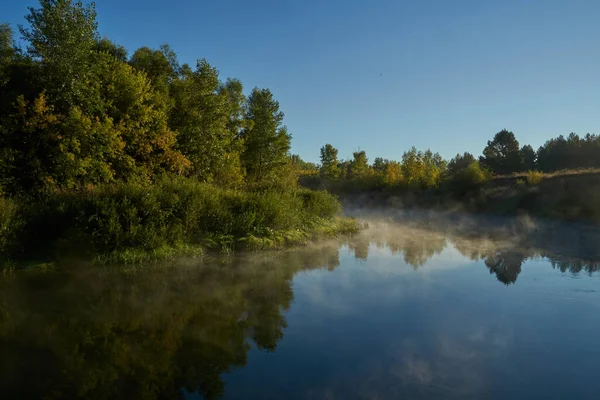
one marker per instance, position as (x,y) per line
(382,76)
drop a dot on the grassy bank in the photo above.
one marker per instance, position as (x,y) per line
(568,195)
(131,223)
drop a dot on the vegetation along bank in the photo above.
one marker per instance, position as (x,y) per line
(123,157)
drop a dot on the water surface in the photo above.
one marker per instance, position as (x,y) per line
(397,312)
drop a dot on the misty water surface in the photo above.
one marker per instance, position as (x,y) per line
(396,312)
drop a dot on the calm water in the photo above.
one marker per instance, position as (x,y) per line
(394,313)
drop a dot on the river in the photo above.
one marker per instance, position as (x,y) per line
(399,311)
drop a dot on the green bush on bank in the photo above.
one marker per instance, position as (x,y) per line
(167,215)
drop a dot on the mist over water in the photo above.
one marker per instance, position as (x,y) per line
(419,305)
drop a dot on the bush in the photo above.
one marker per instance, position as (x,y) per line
(534,177)
(319,203)
(470,178)
(173,212)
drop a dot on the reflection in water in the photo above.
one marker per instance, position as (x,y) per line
(104,334)
(83,332)
(506,265)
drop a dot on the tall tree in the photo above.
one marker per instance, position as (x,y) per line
(233,90)
(266,140)
(329,162)
(115,50)
(157,67)
(528,157)
(501,155)
(359,167)
(6,52)
(380,165)
(202,115)
(460,162)
(62,35)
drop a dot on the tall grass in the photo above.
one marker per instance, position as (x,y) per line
(170,214)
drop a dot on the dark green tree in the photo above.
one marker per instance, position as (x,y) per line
(203,117)
(501,155)
(62,35)
(460,162)
(380,165)
(115,50)
(528,156)
(266,140)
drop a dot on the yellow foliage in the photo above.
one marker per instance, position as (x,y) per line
(534,177)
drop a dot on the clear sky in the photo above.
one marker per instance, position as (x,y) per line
(382,76)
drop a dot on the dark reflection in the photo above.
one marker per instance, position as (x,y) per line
(99,334)
(506,265)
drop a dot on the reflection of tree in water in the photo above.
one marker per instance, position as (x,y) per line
(574,266)
(360,247)
(416,246)
(506,265)
(104,334)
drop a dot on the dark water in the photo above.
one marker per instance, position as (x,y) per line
(394,313)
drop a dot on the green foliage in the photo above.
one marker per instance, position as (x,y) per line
(62,35)
(469,179)
(6,52)
(157,67)
(460,162)
(569,153)
(422,169)
(203,118)
(359,166)
(329,162)
(119,52)
(528,157)
(266,141)
(501,155)
(169,214)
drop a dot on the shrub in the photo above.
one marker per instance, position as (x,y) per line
(172,212)
(470,178)
(534,177)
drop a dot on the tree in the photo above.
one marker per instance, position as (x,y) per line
(302,165)
(266,141)
(501,155)
(62,35)
(359,166)
(528,157)
(329,162)
(393,173)
(233,90)
(380,165)
(203,114)
(6,52)
(157,67)
(115,50)
(460,162)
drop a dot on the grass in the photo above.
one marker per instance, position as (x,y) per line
(546,175)
(131,223)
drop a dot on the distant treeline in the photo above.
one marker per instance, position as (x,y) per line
(425,169)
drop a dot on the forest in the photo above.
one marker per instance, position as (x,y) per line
(131,156)
(502,157)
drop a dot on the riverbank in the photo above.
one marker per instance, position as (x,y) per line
(128,223)
(571,197)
